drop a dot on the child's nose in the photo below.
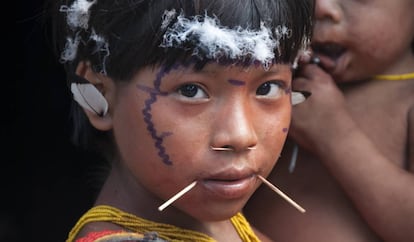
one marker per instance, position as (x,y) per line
(233,129)
(328,10)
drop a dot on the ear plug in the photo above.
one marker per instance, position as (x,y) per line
(299,97)
(89,97)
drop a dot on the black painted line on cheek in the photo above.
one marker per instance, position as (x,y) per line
(154,92)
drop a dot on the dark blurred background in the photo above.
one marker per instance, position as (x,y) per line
(46,179)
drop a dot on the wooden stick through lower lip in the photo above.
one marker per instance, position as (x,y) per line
(280,193)
(177,196)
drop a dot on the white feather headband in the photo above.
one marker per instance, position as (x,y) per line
(215,41)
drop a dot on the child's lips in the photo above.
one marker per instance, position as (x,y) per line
(327,63)
(331,50)
(329,54)
(230,187)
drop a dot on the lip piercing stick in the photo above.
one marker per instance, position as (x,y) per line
(177,196)
(280,193)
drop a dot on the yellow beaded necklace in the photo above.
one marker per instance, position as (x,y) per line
(167,232)
(406,76)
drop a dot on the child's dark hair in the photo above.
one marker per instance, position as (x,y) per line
(132,31)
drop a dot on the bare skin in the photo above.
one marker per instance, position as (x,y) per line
(351,187)
(218,106)
(355,166)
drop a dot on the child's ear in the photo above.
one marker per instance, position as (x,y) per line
(91,95)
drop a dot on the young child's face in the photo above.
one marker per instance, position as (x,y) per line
(165,123)
(362,38)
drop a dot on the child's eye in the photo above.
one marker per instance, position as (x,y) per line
(192,91)
(270,89)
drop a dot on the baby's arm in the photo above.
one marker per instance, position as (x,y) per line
(381,190)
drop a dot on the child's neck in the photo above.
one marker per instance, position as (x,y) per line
(401,70)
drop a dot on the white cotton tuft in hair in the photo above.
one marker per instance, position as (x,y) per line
(78,13)
(167,17)
(70,50)
(217,41)
(88,97)
(77,16)
(101,45)
(303,53)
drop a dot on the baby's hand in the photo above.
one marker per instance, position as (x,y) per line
(320,115)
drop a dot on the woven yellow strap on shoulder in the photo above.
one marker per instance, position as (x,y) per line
(167,232)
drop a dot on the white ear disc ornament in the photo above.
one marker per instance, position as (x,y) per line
(297,97)
(87,96)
